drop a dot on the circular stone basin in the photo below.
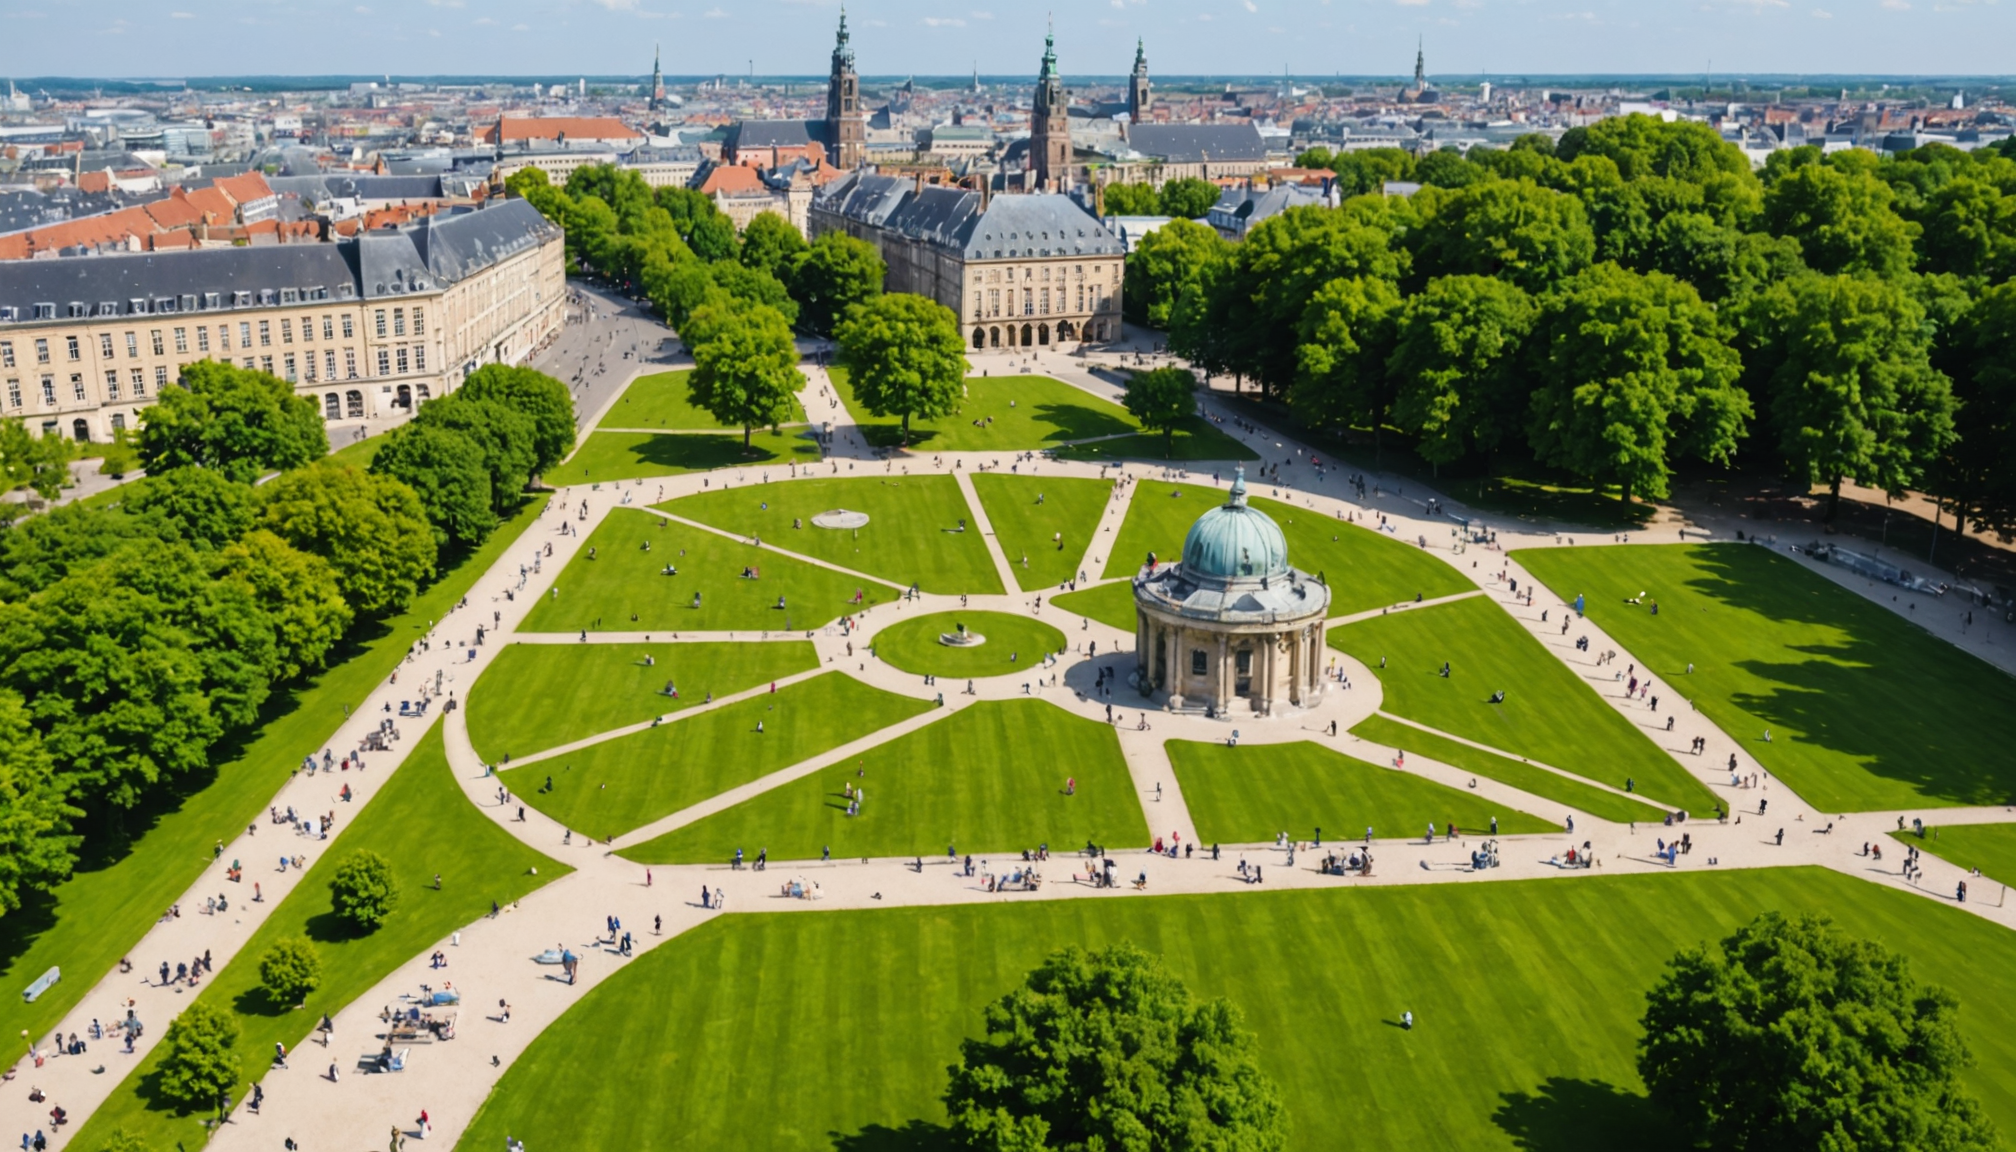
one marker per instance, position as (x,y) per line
(966,639)
(1015,644)
(840,518)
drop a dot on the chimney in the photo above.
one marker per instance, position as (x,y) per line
(920,182)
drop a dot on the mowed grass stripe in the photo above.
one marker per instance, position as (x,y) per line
(1110,603)
(1026,512)
(988,779)
(1550,713)
(1527,778)
(1865,709)
(1526,997)
(1989,847)
(538,696)
(607,456)
(665,400)
(610,788)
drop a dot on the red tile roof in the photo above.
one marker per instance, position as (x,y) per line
(553,127)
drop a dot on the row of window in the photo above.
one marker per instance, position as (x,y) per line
(390,360)
(164,305)
(394,325)
(1037,301)
(1030,274)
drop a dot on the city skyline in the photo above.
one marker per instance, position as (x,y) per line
(1306,38)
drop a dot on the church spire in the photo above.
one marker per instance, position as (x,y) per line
(1138,98)
(1420,67)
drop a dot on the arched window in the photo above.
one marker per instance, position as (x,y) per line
(353,404)
(1043,333)
(81,429)
(332,407)
(979,337)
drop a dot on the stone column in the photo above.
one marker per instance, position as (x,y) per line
(1268,667)
(1296,661)
(1227,675)
(1179,663)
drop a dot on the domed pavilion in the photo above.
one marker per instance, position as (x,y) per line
(1231,629)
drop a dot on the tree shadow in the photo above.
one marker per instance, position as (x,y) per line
(914,1136)
(1564,1115)
(1078,422)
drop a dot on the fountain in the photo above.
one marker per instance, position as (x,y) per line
(840,518)
(961,638)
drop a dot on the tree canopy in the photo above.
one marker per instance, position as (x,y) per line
(1789,1034)
(364,890)
(235,420)
(1163,399)
(904,357)
(745,365)
(1108,1050)
(199,1061)
(834,274)
(372,530)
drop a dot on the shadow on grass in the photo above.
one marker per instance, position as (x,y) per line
(1564,1115)
(915,1136)
(699,453)
(1067,421)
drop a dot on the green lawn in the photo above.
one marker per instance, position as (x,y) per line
(635,455)
(1110,603)
(1550,712)
(1198,439)
(625,581)
(478,862)
(999,414)
(1365,569)
(1866,711)
(358,453)
(129,876)
(912,534)
(1032,515)
(1989,847)
(665,400)
(1569,792)
(543,695)
(1013,644)
(607,789)
(1526,999)
(1251,793)
(987,779)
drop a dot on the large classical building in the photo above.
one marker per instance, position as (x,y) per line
(362,326)
(1019,270)
(1231,629)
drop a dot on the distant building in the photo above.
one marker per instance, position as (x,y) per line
(1238,210)
(361,326)
(743,191)
(1020,271)
(1139,100)
(547,131)
(1049,165)
(841,138)
(1159,153)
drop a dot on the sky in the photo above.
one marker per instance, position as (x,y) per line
(1462,38)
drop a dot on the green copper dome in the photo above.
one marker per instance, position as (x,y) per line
(1234,541)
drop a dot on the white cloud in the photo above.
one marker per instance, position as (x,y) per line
(436,32)
(943,22)
(1204,17)
(483,22)
(181,15)
(979,14)
(1249,5)
(714,14)
(1411,3)
(1897,5)
(1822,14)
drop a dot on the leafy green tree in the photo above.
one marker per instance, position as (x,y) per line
(1848,381)
(745,371)
(300,594)
(1347,334)
(199,505)
(38,463)
(200,1058)
(1842,218)
(37,849)
(290,970)
(539,396)
(1789,1034)
(904,357)
(1165,263)
(1188,197)
(372,529)
(1108,1050)
(770,243)
(446,470)
(1978,472)
(1163,399)
(120,1140)
(1132,200)
(1643,146)
(1446,168)
(1969,229)
(835,273)
(122,457)
(68,538)
(241,422)
(1632,371)
(1454,365)
(1520,232)
(755,286)
(230,634)
(701,224)
(1720,261)
(364,890)
(505,436)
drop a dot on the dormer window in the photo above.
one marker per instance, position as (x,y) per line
(108,308)
(213,300)
(137,307)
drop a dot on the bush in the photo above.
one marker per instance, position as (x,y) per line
(290,970)
(364,890)
(201,1061)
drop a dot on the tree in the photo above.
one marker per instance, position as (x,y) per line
(504,435)
(301,594)
(1842,218)
(38,463)
(37,849)
(834,274)
(1188,197)
(770,243)
(542,398)
(904,357)
(1131,200)
(241,422)
(199,505)
(364,890)
(1512,229)
(1848,381)
(1446,168)
(372,529)
(200,1059)
(1347,334)
(1978,472)
(1969,228)
(756,286)
(120,1140)
(1108,1050)
(746,371)
(1643,146)
(1162,399)
(1453,365)
(1165,263)
(1792,1035)
(1632,370)
(290,970)
(709,233)
(446,470)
